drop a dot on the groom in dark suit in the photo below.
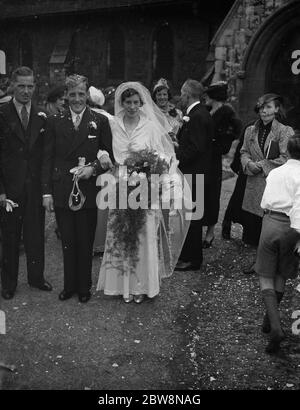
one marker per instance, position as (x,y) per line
(78,133)
(194,154)
(21,148)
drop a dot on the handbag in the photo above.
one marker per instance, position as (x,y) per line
(76,198)
(273,150)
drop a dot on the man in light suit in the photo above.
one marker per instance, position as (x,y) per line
(194,154)
(78,132)
(21,147)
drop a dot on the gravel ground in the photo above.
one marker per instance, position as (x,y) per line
(202,332)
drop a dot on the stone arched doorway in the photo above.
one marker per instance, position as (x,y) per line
(267,65)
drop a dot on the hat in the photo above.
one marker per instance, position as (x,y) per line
(56,93)
(217,91)
(161,83)
(109,91)
(265,99)
(96,96)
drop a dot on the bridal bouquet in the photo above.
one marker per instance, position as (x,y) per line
(136,180)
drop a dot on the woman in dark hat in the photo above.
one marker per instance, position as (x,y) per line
(227,127)
(264,148)
(109,96)
(55,105)
(55,100)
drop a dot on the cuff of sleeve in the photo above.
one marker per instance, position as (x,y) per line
(101,153)
(47,196)
(295,223)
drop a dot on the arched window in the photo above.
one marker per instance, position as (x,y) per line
(25,50)
(163,52)
(116,54)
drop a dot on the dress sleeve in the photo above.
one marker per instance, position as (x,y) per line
(245,152)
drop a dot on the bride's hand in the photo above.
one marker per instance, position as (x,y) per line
(105,162)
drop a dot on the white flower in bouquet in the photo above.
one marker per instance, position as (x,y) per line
(142,175)
(163,157)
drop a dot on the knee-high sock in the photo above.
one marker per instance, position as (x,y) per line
(266,326)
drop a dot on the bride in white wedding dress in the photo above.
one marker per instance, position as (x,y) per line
(139,124)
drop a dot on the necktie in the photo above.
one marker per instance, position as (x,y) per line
(24,117)
(77,121)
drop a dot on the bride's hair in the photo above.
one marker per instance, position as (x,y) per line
(129,93)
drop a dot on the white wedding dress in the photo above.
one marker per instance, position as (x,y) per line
(162,235)
(115,276)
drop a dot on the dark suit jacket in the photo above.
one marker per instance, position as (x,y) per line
(20,151)
(62,148)
(195,143)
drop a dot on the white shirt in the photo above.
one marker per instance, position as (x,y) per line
(19,107)
(190,107)
(282,192)
(74,115)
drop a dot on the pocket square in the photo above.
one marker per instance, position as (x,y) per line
(92,136)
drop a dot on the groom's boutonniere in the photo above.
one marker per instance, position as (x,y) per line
(92,125)
(42,115)
(185,118)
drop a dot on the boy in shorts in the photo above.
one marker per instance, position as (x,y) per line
(279,245)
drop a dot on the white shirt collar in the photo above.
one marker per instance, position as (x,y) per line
(190,107)
(74,114)
(19,106)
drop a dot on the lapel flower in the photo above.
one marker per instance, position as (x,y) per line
(185,118)
(93,125)
(42,114)
(42,129)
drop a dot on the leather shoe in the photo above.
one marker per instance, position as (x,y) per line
(7,294)
(207,244)
(84,297)
(138,298)
(64,295)
(44,286)
(186,266)
(128,299)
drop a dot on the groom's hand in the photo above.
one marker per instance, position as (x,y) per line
(85,172)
